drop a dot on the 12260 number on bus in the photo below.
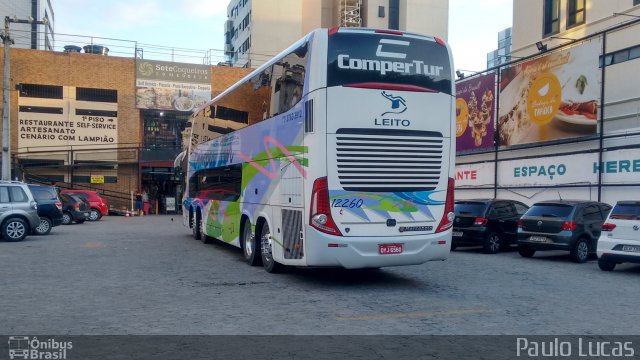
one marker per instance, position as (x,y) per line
(351,203)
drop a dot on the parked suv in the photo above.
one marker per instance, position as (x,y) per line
(492,223)
(99,207)
(74,209)
(620,238)
(18,211)
(572,225)
(49,207)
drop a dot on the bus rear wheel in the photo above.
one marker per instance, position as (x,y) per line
(250,248)
(266,246)
(195,226)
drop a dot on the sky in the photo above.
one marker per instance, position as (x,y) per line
(123,25)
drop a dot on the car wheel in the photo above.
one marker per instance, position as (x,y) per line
(66,218)
(14,230)
(266,246)
(250,248)
(195,226)
(95,215)
(44,228)
(605,265)
(525,251)
(492,243)
(580,251)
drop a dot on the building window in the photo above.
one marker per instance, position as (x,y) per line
(576,12)
(551,17)
(394,14)
(40,91)
(381,11)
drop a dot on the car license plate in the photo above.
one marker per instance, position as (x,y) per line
(457,234)
(385,249)
(539,239)
(630,248)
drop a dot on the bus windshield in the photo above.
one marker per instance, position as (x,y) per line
(356,58)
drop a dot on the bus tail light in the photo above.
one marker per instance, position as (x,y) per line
(448,216)
(333,31)
(320,215)
(440,41)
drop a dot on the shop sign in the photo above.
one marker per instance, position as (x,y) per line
(558,170)
(619,167)
(165,85)
(469,175)
(97,179)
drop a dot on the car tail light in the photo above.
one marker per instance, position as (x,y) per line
(320,216)
(569,226)
(58,205)
(448,216)
(480,221)
(439,41)
(333,31)
(608,227)
(76,206)
(519,223)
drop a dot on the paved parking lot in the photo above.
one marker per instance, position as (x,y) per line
(148,276)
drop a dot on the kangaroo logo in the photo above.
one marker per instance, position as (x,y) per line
(398,104)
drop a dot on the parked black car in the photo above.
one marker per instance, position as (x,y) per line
(492,223)
(572,225)
(49,207)
(74,209)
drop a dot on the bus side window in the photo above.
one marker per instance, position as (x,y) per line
(288,81)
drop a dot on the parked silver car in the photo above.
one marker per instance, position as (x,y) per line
(18,211)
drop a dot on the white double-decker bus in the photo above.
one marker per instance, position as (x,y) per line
(338,152)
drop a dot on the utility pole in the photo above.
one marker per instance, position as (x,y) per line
(6,94)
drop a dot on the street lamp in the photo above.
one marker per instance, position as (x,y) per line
(6,98)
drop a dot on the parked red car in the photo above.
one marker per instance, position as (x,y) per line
(99,206)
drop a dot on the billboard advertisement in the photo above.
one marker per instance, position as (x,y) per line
(553,97)
(471,175)
(165,85)
(557,170)
(475,113)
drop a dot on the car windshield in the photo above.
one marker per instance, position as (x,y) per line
(470,208)
(550,210)
(624,211)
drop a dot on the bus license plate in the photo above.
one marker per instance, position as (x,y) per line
(385,249)
(630,248)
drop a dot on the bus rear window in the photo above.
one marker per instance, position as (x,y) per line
(357,58)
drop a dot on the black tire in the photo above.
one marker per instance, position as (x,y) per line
(580,251)
(67,219)
(44,228)
(250,247)
(206,239)
(95,215)
(269,264)
(605,265)
(14,230)
(195,226)
(526,251)
(492,243)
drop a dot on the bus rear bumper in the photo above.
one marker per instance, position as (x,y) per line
(364,252)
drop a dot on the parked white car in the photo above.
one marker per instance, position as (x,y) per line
(620,239)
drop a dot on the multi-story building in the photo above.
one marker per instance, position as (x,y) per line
(567,115)
(256,30)
(30,36)
(503,53)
